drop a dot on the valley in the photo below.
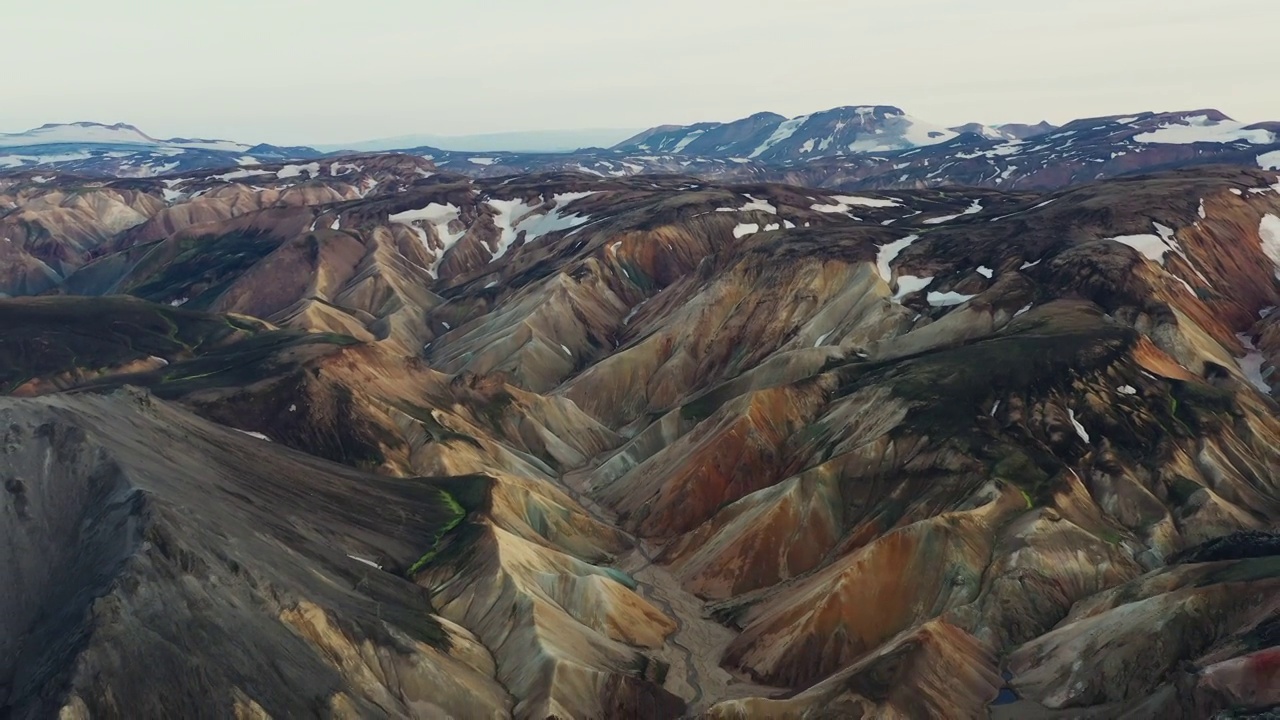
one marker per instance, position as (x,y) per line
(370,436)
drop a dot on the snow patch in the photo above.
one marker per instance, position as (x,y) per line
(1200,129)
(745,229)
(239,175)
(258,435)
(752,204)
(1013,147)
(1076,424)
(843,203)
(784,131)
(534,225)
(863,201)
(973,209)
(985,271)
(510,213)
(290,171)
(481,160)
(684,143)
(947,299)
(1151,246)
(627,320)
(888,252)
(762,205)
(370,563)
(1269,234)
(439,216)
(20,160)
(1269,160)
(908,284)
(1251,365)
(1127,390)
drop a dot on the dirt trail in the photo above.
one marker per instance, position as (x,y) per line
(694,650)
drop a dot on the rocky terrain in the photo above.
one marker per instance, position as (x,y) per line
(371,437)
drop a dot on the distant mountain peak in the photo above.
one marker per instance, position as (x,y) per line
(91,124)
(79,132)
(768,137)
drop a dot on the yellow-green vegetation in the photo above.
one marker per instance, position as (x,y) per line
(1030,503)
(457,514)
(1019,470)
(50,335)
(197,268)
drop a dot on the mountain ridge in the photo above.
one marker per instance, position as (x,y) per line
(846,148)
(538,141)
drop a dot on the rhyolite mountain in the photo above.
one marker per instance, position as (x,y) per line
(369,437)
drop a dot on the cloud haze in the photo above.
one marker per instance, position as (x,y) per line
(289,71)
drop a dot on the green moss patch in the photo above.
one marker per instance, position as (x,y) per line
(48,336)
(198,268)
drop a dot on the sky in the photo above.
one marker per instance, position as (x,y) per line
(333,71)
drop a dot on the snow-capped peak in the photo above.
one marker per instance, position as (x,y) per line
(92,133)
(80,133)
(770,138)
(1205,126)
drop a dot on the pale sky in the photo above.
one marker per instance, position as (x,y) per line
(320,71)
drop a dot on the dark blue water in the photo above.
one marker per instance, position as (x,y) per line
(1006,697)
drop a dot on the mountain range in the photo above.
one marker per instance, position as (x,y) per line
(373,437)
(847,148)
(545,141)
(836,416)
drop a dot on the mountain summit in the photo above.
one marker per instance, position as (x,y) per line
(78,133)
(92,133)
(125,151)
(768,137)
